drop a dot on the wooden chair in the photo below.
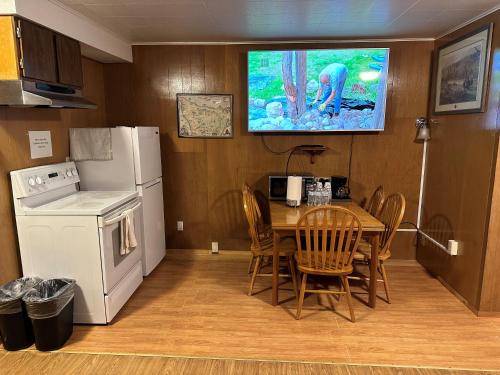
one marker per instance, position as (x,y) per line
(262,241)
(376,201)
(391,215)
(264,230)
(332,235)
(373,207)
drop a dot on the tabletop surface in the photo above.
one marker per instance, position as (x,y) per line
(285,218)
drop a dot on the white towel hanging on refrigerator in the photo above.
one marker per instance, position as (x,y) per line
(90,144)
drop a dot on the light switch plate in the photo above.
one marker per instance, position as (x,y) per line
(180,226)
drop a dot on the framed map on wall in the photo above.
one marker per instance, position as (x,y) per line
(462,73)
(205,115)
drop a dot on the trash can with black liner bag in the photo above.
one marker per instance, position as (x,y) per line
(15,326)
(50,308)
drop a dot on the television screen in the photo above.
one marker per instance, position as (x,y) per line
(317,90)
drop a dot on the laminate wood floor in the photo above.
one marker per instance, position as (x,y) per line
(195,304)
(78,363)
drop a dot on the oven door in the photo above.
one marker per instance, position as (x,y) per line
(114,265)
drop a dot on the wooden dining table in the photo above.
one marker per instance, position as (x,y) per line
(284,221)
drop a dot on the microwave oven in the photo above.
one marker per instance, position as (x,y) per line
(278,184)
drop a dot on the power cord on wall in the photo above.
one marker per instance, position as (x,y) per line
(289,151)
(274,151)
(410,223)
(288,160)
(417,230)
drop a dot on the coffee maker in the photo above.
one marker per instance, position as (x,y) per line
(340,190)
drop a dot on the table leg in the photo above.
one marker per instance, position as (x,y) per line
(372,301)
(276,269)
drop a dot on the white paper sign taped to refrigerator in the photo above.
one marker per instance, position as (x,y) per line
(40,144)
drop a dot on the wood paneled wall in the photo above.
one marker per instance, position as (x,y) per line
(490,287)
(203,178)
(15,154)
(461,165)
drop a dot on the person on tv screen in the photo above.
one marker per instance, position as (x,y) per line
(332,80)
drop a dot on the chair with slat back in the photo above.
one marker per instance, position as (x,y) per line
(376,201)
(256,227)
(332,235)
(391,216)
(262,240)
(254,216)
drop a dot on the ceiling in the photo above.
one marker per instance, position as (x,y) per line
(143,21)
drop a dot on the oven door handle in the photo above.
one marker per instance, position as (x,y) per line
(122,216)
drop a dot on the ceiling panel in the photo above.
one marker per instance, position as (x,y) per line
(471,5)
(185,10)
(240,20)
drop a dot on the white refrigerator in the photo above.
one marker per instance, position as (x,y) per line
(136,165)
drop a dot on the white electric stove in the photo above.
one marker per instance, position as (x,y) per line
(85,203)
(64,232)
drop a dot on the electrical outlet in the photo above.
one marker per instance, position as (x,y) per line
(180,226)
(215,248)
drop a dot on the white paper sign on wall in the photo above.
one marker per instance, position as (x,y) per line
(40,144)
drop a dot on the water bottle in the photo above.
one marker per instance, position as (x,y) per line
(328,192)
(310,194)
(319,193)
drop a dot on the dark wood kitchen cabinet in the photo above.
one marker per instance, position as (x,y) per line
(47,56)
(37,50)
(69,63)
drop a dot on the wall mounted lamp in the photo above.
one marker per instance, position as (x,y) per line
(423,130)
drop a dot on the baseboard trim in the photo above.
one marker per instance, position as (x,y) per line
(209,252)
(458,296)
(488,314)
(402,262)
(479,313)
(389,262)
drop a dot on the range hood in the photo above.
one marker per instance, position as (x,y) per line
(21,93)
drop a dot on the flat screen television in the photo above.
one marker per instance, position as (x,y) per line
(326,90)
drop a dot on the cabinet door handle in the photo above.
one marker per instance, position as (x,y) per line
(21,52)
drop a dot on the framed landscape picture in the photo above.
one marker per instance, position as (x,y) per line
(205,115)
(462,73)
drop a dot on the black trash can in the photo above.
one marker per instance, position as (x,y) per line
(50,308)
(15,326)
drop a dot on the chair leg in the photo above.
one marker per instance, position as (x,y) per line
(254,275)
(291,265)
(386,282)
(349,298)
(301,297)
(341,290)
(251,264)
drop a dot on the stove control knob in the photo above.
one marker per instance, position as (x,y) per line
(31,181)
(38,180)
(74,172)
(68,173)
